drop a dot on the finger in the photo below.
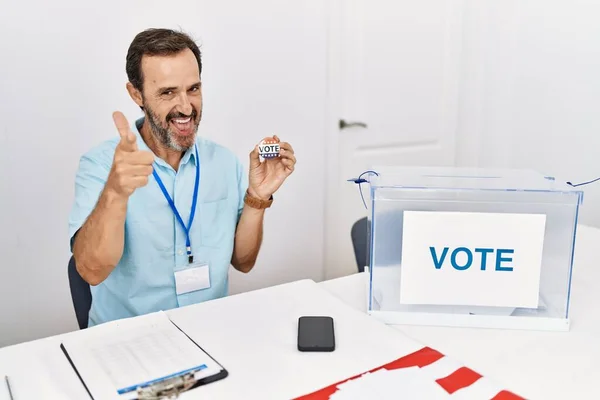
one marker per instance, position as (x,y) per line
(139,181)
(139,170)
(140,158)
(127,171)
(276,138)
(286,146)
(287,155)
(254,158)
(289,165)
(128,142)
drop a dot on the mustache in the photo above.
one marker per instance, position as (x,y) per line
(178,114)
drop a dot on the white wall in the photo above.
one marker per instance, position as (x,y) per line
(529,81)
(62,75)
(528,94)
(530,90)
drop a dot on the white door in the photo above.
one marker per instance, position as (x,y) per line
(394,67)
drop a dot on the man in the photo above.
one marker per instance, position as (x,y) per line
(160,213)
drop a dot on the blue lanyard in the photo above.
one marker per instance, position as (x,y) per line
(187,229)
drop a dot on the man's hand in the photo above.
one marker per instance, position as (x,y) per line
(266,177)
(99,243)
(131,167)
(264,180)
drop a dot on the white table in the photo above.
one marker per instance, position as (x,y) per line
(538,365)
(254,336)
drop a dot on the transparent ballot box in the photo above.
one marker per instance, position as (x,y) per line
(471,247)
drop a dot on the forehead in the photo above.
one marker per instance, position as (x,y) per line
(170,71)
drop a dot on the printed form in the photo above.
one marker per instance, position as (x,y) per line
(115,358)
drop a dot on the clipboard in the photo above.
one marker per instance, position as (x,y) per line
(168,387)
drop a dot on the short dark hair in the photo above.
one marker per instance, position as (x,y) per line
(156,42)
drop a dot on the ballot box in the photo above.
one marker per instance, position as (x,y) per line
(471,247)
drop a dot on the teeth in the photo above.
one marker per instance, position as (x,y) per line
(183,121)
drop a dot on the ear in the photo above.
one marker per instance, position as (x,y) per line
(135,94)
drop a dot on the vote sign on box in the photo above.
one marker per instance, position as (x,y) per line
(469,258)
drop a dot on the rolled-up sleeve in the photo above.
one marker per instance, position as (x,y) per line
(90,179)
(242,176)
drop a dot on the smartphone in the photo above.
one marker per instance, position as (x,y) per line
(316,333)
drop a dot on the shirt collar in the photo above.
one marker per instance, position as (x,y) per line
(189,155)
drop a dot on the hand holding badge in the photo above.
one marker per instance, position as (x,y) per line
(271,162)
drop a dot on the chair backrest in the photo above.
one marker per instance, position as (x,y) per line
(80,294)
(360,240)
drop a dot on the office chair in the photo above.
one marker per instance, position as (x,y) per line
(360,240)
(80,294)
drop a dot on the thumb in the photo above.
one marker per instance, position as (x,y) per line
(254,158)
(128,141)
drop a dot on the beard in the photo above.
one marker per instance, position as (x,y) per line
(166,136)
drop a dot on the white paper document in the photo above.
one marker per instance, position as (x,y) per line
(113,359)
(405,383)
(471,258)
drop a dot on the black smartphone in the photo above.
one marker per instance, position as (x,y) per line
(316,333)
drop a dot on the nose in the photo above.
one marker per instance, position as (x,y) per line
(184,106)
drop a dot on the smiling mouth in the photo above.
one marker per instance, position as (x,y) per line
(183,126)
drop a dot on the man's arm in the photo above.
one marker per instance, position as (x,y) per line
(99,243)
(248,239)
(264,180)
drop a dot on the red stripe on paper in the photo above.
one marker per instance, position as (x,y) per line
(420,358)
(459,379)
(506,395)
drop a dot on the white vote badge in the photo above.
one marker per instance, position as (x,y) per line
(268,149)
(192,278)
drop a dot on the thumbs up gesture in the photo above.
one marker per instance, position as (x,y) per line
(131,167)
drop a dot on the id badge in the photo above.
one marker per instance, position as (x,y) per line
(192,278)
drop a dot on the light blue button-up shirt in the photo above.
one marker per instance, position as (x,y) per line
(155,242)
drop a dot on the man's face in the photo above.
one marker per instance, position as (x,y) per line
(172,98)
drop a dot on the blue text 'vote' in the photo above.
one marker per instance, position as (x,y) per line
(502,256)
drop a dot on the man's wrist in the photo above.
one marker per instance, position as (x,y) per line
(249,210)
(257,202)
(113,199)
(257,195)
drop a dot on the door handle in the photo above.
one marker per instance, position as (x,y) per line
(344,124)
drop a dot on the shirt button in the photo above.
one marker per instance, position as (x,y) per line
(180,252)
